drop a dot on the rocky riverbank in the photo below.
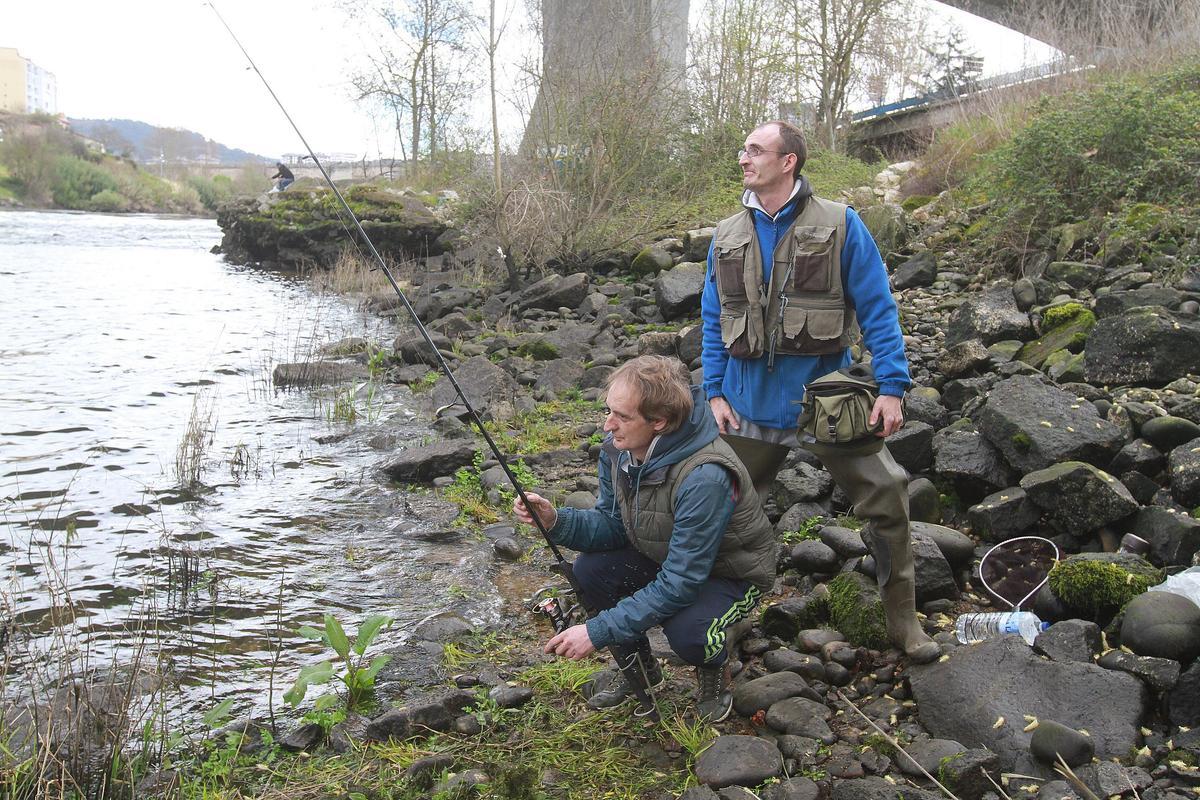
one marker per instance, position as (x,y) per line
(1064,404)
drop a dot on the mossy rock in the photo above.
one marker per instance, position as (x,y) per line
(1060,315)
(856,609)
(1101,583)
(913,202)
(538,350)
(1068,334)
(651,261)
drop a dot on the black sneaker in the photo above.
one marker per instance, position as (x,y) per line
(714,700)
(618,689)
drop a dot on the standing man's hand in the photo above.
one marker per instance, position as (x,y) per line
(724,415)
(541,505)
(890,409)
(574,642)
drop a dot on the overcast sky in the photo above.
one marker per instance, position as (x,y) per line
(170,63)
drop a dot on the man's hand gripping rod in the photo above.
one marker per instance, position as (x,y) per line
(626,657)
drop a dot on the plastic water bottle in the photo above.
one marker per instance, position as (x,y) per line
(990,624)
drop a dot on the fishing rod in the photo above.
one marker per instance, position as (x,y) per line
(626,656)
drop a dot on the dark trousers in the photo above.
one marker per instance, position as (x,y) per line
(697,633)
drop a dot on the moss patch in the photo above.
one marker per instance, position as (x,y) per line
(856,610)
(1096,585)
(1061,315)
(538,350)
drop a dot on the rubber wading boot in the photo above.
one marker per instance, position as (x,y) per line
(619,690)
(900,611)
(714,700)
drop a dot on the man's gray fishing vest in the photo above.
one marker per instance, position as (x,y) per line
(804,310)
(748,547)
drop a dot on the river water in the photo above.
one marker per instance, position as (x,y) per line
(118,334)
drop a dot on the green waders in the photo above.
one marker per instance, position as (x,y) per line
(878,488)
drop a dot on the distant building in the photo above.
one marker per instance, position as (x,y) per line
(300,159)
(25,88)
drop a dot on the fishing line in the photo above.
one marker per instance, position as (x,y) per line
(441,361)
(626,656)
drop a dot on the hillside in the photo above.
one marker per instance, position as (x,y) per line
(144,142)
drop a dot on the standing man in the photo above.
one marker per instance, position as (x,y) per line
(790,279)
(677,538)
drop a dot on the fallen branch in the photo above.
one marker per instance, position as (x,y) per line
(896,745)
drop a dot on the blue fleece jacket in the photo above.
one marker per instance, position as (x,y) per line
(771,398)
(703,506)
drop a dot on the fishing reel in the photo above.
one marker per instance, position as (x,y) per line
(559,605)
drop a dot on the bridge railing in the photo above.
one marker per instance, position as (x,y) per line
(1029,74)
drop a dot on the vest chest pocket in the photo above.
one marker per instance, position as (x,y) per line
(813,331)
(812,258)
(731,281)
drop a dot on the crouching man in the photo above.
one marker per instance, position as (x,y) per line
(677,538)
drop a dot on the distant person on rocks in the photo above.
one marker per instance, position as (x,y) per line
(284,175)
(790,279)
(677,537)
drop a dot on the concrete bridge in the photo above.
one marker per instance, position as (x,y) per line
(1074,25)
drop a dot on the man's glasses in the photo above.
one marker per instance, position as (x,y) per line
(754,151)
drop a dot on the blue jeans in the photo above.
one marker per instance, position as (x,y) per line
(696,633)
(285,182)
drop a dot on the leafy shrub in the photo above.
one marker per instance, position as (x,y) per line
(1128,140)
(110,201)
(212,192)
(76,182)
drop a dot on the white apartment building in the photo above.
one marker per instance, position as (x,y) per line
(25,88)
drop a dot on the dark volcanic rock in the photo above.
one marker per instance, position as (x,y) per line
(677,290)
(955,546)
(1140,456)
(803,484)
(421,464)
(1077,497)
(555,291)
(934,578)
(415,350)
(1003,678)
(1162,624)
(1146,346)
(437,302)
(436,715)
(990,316)
(1183,702)
(1003,515)
(762,693)
(966,456)
(489,388)
(1160,674)
(1168,432)
(799,716)
(1035,425)
(912,446)
(1174,538)
(919,408)
(316,373)
(1070,640)
(1114,304)
(738,761)
(1184,466)
(920,270)
(1052,740)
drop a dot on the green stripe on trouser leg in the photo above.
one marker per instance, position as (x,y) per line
(715,636)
